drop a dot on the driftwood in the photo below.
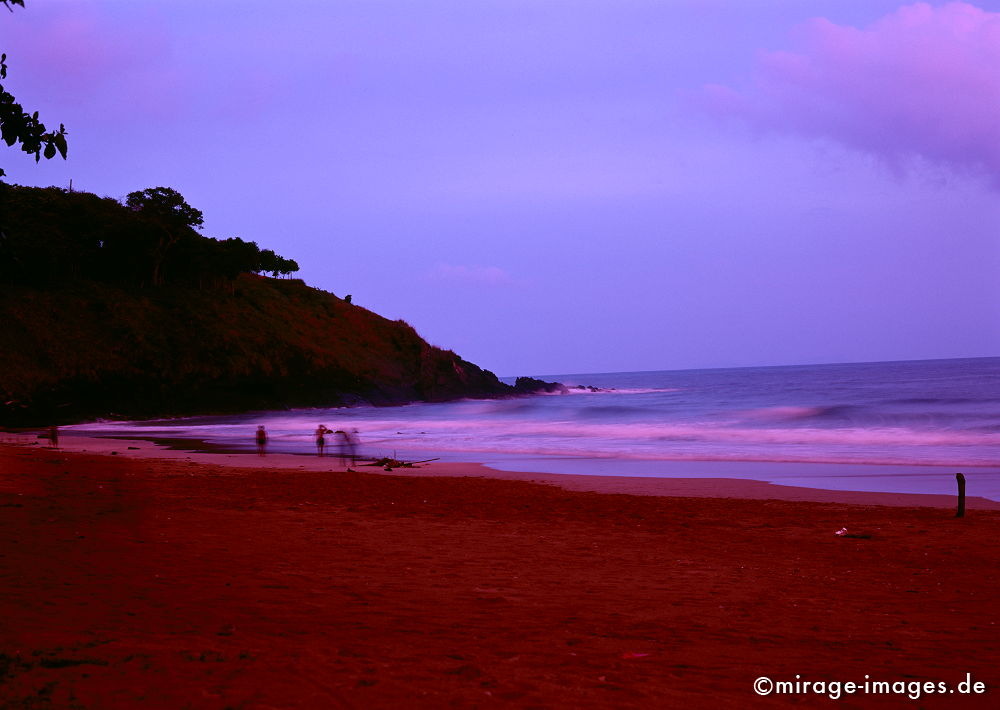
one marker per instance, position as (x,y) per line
(390,463)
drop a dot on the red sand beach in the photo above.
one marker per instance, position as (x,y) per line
(170,580)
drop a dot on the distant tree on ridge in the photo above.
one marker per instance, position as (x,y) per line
(52,236)
(169,215)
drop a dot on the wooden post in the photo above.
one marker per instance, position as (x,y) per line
(961,495)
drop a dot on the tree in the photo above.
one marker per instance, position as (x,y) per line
(236,257)
(169,215)
(53,236)
(164,205)
(287,266)
(18,126)
(270,263)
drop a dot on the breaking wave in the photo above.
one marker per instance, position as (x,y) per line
(933,413)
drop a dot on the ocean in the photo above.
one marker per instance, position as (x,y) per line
(903,427)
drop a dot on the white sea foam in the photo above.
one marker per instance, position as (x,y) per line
(898,413)
(667,441)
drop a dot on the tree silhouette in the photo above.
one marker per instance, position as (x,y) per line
(52,236)
(287,266)
(169,216)
(18,126)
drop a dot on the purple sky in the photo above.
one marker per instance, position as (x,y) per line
(579,186)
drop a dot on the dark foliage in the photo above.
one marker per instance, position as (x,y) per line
(19,126)
(50,236)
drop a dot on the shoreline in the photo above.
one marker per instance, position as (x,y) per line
(665,486)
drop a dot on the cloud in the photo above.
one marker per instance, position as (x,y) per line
(480,275)
(921,82)
(114,61)
(82,45)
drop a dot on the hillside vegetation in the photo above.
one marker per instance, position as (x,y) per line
(142,332)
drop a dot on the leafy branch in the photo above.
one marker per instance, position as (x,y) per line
(19,126)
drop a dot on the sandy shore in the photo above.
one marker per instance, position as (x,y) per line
(165,579)
(688,487)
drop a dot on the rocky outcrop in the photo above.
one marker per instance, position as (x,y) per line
(530,385)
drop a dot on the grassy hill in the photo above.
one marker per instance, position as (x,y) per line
(91,349)
(82,345)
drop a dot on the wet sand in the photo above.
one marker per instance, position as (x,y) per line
(169,579)
(197,451)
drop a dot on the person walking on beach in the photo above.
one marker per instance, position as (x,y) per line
(54,437)
(261,439)
(321,432)
(347,445)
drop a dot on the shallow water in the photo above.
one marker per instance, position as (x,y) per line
(894,427)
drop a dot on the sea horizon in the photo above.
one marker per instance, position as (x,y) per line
(548,376)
